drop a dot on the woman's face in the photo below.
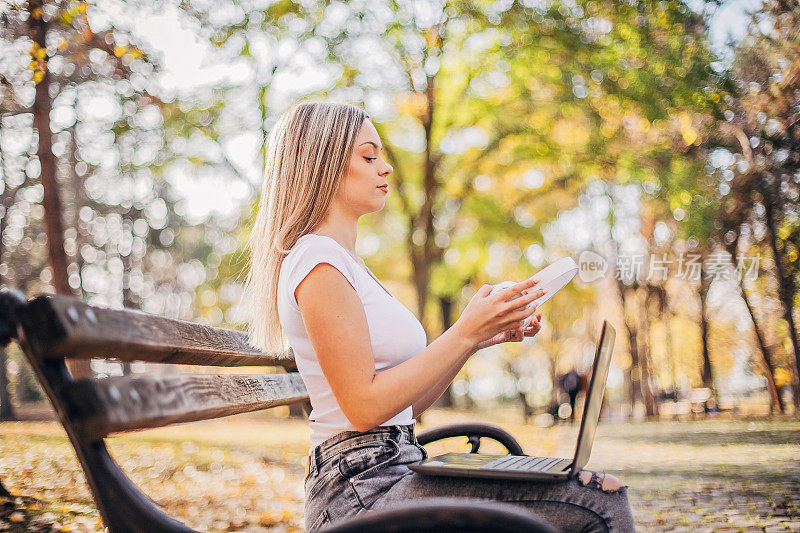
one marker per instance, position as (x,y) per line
(365,183)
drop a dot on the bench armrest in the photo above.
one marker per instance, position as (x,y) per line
(445,514)
(474,432)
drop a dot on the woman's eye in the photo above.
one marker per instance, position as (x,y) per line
(370,159)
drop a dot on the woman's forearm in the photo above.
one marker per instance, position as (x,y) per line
(421,405)
(396,388)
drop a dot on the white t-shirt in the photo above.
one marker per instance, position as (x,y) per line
(395,333)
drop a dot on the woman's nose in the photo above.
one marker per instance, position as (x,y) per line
(387,170)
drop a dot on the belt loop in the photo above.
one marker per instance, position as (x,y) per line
(312,467)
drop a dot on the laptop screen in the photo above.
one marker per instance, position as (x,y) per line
(594,396)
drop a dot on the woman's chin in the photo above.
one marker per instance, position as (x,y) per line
(374,208)
(380,205)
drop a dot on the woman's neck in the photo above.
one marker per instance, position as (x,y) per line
(343,235)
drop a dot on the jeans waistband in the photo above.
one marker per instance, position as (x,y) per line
(349,439)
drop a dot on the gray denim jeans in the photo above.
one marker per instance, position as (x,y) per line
(354,472)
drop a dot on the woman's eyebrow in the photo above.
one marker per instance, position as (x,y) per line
(372,143)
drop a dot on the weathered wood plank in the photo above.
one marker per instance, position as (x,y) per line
(67,327)
(100,407)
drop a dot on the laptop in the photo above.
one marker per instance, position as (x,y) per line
(476,465)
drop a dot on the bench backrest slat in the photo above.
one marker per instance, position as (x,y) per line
(119,404)
(50,329)
(76,329)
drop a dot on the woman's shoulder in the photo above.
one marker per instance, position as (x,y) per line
(312,244)
(311,249)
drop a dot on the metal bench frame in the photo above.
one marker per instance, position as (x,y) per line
(51,328)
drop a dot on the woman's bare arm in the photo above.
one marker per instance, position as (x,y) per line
(337,328)
(428,399)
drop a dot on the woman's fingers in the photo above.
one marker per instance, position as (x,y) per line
(521,333)
(518,317)
(514,290)
(484,290)
(523,302)
(519,314)
(535,326)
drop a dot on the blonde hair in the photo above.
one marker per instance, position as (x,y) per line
(308,152)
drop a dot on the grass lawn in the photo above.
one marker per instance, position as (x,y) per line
(245,473)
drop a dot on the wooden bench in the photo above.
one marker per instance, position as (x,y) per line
(52,328)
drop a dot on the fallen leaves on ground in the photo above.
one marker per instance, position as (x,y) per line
(246,473)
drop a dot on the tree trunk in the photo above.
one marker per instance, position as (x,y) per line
(6,409)
(633,374)
(552,356)
(425,255)
(650,401)
(6,201)
(766,356)
(706,372)
(446,306)
(51,201)
(632,386)
(665,315)
(554,392)
(526,408)
(785,293)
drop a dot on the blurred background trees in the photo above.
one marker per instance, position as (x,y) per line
(87,208)
(520,132)
(761,206)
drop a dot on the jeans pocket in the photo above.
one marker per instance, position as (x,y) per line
(320,482)
(360,460)
(321,520)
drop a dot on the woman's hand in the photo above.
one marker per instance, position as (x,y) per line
(514,335)
(488,316)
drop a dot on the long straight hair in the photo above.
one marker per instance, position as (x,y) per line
(308,152)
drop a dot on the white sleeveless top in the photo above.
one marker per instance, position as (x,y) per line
(395,333)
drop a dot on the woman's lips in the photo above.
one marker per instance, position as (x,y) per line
(384,188)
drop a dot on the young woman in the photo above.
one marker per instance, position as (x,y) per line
(364,356)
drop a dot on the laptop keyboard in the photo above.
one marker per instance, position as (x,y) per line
(522,462)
